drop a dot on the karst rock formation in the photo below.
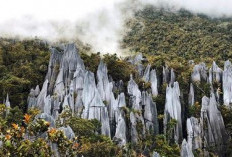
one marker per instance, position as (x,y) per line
(69,85)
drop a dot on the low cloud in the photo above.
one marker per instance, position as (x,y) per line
(97,22)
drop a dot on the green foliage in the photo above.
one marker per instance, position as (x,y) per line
(170,131)
(201,89)
(227,117)
(38,127)
(26,140)
(86,131)
(15,116)
(119,69)
(16,143)
(193,37)
(91,61)
(2,115)
(84,127)
(195,110)
(23,65)
(164,149)
(143,84)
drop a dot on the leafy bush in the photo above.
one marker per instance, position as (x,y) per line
(23,65)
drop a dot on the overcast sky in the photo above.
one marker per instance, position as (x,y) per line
(100,21)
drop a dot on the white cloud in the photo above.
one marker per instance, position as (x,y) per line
(101,21)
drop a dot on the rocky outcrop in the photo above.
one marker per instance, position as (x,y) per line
(68,132)
(129,115)
(227,83)
(47,105)
(146,75)
(173,110)
(213,128)
(199,73)
(155,154)
(150,115)
(186,151)
(215,74)
(137,62)
(53,68)
(194,133)
(104,86)
(154,82)
(120,135)
(168,76)
(7,103)
(191,95)
(42,96)
(32,98)
(47,118)
(135,94)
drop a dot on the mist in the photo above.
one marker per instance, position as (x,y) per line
(99,23)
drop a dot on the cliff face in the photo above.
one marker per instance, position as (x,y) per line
(69,85)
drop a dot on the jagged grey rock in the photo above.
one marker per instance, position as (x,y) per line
(191,95)
(134,133)
(104,86)
(65,104)
(7,103)
(120,134)
(88,93)
(173,77)
(199,73)
(47,105)
(70,61)
(137,60)
(140,68)
(211,119)
(59,85)
(42,95)
(166,76)
(135,119)
(135,94)
(47,118)
(150,115)
(112,107)
(97,110)
(154,82)
(68,132)
(53,68)
(78,79)
(186,151)
(173,110)
(55,107)
(215,73)
(121,100)
(227,83)
(69,85)
(194,133)
(146,75)
(32,98)
(71,97)
(155,154)
(78,108)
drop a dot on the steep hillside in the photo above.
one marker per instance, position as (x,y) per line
(180,34)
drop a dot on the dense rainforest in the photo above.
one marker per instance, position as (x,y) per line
(175,40)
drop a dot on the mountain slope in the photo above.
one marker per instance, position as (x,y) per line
(193,37)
